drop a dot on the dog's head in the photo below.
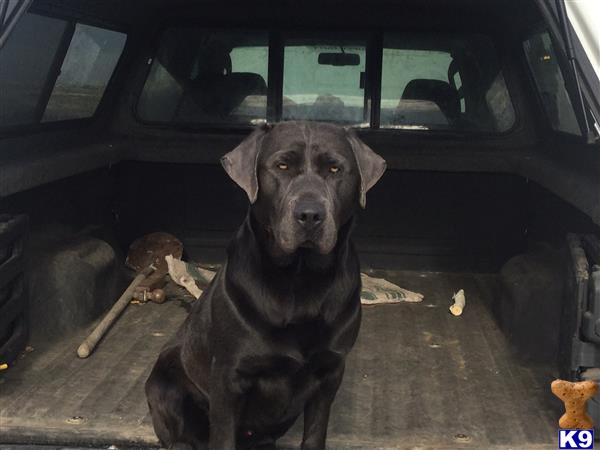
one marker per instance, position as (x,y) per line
(304,180)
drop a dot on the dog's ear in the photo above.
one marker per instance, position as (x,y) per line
(370,165)
(241,162)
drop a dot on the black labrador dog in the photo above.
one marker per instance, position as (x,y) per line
(268,339)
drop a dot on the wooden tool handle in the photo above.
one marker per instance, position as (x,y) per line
(88,345)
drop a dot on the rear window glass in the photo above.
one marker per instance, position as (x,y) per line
(443,82)
(550,83)
(429,81)
(207,76)
(85,72)
(52,70)
(323,79)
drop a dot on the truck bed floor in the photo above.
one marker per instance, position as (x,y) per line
(417,378)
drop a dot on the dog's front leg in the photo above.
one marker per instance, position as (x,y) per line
(224,410)
(316,411)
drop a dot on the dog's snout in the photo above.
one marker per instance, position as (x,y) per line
(309,214)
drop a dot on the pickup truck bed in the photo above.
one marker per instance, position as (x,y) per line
(418,377)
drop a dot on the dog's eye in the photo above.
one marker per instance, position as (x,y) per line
(282,166)
(334,169)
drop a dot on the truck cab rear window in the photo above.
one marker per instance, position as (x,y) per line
(207,77)
(443,82)
(323,79)
(428,81)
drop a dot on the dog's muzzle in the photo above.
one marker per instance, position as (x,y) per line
(309,214)
(307,224)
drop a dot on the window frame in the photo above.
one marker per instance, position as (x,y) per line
(373,70)
(54,72)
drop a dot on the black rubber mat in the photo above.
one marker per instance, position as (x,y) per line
(417,378)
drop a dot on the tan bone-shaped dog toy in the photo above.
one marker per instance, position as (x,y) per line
(574,396)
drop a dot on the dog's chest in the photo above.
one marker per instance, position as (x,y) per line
(283,379)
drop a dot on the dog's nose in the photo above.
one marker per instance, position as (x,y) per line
(309,214)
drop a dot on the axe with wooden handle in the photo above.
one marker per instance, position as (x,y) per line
(89,344)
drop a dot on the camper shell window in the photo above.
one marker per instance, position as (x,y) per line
(550,83)
(63,79)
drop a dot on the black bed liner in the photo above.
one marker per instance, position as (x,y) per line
(418,377)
